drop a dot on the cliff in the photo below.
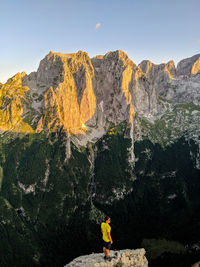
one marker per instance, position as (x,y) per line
(83,95)
(119,258)
(189,66)
(12,105)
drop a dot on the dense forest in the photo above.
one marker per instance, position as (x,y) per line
(52,207)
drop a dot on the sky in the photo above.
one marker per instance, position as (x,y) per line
(157,30)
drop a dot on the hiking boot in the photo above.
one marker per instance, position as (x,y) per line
(107,258)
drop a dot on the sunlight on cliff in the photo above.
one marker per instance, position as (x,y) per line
(127,76)
(12,96)
(196,67)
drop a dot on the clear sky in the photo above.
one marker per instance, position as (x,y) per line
(158,30)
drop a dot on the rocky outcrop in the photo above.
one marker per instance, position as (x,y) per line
(197,264)
(69,99)
(189,65)
(127,258)
(13,105)
(152,70)
(158,76)
(166,81)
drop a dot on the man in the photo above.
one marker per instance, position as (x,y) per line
(107,240)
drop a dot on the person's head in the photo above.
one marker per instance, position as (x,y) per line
(107,219)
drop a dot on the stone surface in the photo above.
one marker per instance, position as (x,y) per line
(69,99)
(124,258)
(197,264)
(189,65)
(13,105)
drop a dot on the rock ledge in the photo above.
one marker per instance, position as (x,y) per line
(120,258)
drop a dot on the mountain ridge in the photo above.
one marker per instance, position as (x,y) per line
(111,87)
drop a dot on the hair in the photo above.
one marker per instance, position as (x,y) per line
(106,218)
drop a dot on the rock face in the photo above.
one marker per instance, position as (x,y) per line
(197,264)
(83,95)
(69,99)
(13,105)
(158,76)
(189,66)
(168,82)
(76,88)
(124,258)
(114,78)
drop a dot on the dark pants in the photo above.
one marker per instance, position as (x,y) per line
(107,245)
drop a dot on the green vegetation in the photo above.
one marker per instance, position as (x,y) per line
(17,247)
(179,119)
(119,264)
(45,192)
(164,200)
(48,201)
(188,106)
(112,173)
(157,247)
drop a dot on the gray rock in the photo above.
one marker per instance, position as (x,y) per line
(189,65)
(197,264)
(119,258)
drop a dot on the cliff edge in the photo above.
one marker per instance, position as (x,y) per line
(124,258)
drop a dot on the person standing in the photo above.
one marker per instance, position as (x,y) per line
(107,240)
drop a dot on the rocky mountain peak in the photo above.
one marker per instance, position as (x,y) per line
(16,77)
(98,57)
(75,92)
(150,68)
(146,66)
(189,65)
(120,56)
(72,100)
(80,56)
(13,105)
(170,68)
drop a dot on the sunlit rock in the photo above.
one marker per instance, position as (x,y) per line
(118,258)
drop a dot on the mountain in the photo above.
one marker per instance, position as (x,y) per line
(83,137)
